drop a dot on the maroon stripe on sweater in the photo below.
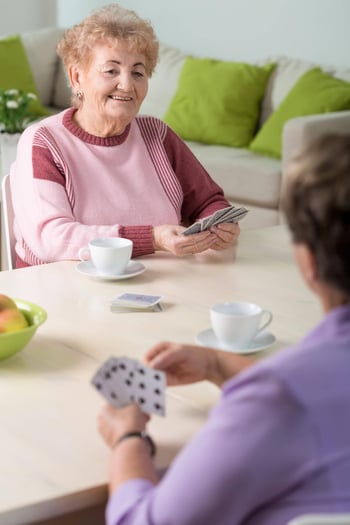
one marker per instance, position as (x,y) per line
(153,132)
(46,150)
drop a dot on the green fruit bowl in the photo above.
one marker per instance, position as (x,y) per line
(13,342)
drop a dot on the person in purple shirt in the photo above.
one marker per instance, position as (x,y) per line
(277,445)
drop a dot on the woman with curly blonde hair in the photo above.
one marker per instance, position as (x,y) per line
(99,169)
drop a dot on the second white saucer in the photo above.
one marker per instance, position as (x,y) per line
(133,268)
(261,342)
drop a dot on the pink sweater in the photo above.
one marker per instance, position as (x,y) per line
(69,187)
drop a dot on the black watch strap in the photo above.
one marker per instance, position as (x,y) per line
(142,435)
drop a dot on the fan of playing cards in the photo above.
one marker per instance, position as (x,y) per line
(229,214)
(122,381)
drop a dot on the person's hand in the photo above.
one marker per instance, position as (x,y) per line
(169,238)
(115,422)
(182,364)
(226,233)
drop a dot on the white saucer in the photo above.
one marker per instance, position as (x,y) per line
(134,268)
(262,341)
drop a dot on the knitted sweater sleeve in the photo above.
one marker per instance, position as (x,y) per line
(202,196)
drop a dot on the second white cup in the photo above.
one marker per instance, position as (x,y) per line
(109,255)
(236,324)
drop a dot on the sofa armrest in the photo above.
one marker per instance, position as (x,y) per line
(298,132)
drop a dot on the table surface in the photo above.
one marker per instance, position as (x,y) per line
(52,458)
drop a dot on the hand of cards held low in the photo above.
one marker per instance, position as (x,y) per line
(229,214)
(122,381)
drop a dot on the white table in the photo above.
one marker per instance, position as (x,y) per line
(52,459)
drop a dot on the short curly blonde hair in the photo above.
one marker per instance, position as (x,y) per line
(111,22)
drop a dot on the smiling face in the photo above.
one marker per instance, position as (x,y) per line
(113,84)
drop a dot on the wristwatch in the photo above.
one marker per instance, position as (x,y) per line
(142,435)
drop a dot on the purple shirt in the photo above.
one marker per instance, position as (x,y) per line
(277,445)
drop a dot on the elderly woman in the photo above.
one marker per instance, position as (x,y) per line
(99,169)
(278,443)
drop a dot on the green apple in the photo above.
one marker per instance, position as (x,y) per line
(11,317)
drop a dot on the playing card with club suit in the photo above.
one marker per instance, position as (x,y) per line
(110,381)
(149,389)
(122,380)
(229,214)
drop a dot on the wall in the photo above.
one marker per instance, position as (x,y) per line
(316,30)
(248,30)
(26,15)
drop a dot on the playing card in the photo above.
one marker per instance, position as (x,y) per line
(149,389)
(239,215)
(113,382)
(216,216)
(120,309)
(204,223)
(226,216)
(136,300)
(229,214)
(220,213)
(194,228)
(123,380)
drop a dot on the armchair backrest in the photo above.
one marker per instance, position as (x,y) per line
(8,218)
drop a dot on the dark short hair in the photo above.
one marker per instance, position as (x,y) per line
(111,22)
(316,203)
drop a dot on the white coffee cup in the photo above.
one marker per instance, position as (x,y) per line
(109,255)
(236,324)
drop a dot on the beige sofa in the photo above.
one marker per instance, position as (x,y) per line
(246,177)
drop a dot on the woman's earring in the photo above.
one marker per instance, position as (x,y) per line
(79,95)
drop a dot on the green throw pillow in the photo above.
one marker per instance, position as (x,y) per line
(15,72)
(217,102)
(315,92)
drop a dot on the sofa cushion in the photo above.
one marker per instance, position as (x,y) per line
(19,77)
(217,102)
(245,176)
(315,92)
(284,76)
(40,46)
(62,92)
(164,81)
(286,73)
(343,74)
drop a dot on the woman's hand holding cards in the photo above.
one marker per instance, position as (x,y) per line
(169,238)
(226,235)
(217,231)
